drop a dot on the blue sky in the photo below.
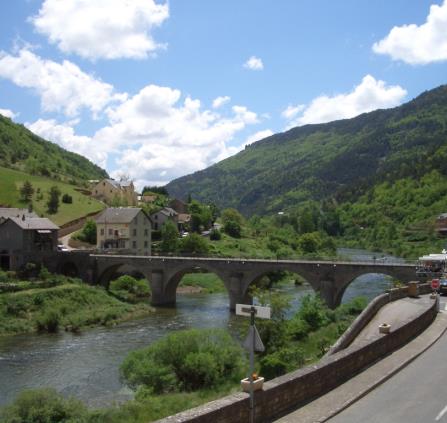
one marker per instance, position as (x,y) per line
(155,90)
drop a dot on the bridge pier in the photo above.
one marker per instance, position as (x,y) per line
(162,293)
(330,294)
(237,290)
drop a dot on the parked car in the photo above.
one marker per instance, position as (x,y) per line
(62,247)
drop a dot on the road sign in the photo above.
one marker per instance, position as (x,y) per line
(435,284)
(257,343)
(245,310)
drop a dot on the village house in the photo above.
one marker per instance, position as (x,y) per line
(147,199)
(124,229)
(6,212)
(179,206)
(159,218)
(115,192)
(22,235)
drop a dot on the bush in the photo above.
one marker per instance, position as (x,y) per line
(67,199)
(195,244)
(129,289)
(215,235)
(185,361)
(43,406)
(48,321)
(88,232)
(313,311)
(233,229)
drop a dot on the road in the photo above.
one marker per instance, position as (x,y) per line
(417,394)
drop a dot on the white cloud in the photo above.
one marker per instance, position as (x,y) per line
(254,63)
(108,29)
(292,111)
(8,113)
(220,101)
(64,135)
(158,136)
(415,44)
(62,87)
(258,136)
(370,94)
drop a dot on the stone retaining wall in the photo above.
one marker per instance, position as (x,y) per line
(75,225)
(287,392)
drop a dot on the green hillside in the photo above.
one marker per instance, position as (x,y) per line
(20,149)
(341,160)
(12,180)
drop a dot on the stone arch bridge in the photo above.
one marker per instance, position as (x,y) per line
(329,278)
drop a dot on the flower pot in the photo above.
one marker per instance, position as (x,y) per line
(384,328)
(257,384)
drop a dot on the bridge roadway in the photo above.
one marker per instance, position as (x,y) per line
(329,278)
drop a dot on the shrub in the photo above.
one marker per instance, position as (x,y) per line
(88,232)
(129,289)
(233,228)
(48,321)
(313,311)
(184,361)
(215,235)
(43,406)
(298,329)
(67,199)
(195,244)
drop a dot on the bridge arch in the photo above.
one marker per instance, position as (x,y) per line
(176,274)
(118,269)
(368,285)
(69,268)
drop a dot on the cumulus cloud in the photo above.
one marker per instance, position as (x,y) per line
(64,135)
(220,101)
(254,63)
(61,86)
(8,113)
(108,29)
(415,44)
(370,94)
(159,136)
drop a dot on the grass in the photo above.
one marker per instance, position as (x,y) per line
(12,180)
(72,305)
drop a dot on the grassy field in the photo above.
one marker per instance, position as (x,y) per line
(12,180)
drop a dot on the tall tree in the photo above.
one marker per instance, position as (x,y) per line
(26,191)
(53,200)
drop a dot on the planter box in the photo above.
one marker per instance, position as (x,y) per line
(257,384)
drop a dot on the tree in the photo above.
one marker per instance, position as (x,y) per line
(26,191)
(88,233)
(233,228)
(53,200)
(232,215)
(195,244)
(169,237)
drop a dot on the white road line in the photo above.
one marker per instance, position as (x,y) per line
(439,416)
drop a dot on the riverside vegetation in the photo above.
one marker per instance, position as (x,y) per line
(191,367)
(49,302)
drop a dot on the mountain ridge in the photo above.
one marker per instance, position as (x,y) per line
(339,159)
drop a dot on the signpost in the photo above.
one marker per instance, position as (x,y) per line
(253,342)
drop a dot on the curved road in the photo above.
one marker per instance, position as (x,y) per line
(417,394)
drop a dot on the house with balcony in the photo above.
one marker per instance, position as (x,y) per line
(124,230)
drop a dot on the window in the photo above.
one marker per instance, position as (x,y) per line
(134,244)
(134,232)
(156,226)
(110,231)
(102,231)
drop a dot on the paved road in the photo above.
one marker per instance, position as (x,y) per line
(417,394)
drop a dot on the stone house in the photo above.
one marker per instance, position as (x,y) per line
(179,206)
(24,235)
(111,191)
(124,229)
(6,212)
(163,215)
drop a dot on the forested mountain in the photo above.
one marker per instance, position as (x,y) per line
(22,150)
(341,160)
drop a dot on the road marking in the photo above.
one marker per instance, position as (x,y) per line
(443,411)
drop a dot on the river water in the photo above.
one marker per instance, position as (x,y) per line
(86,365)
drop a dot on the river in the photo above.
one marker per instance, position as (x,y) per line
(86,365)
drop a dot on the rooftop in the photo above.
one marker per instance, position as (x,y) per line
(118,215)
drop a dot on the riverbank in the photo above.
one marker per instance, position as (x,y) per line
(61,303)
